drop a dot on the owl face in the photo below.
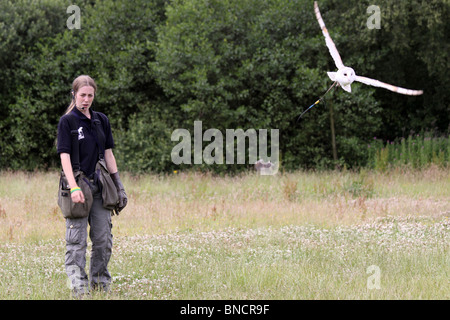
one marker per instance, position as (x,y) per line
(345,76)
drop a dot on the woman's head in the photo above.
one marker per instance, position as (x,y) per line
(83,92)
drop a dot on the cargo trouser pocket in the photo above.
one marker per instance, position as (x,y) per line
(74,231)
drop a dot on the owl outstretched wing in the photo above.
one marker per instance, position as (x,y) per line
(330,44)
(376,83)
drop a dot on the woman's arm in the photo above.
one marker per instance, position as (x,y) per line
(110,160)
(111,165)
(68,171)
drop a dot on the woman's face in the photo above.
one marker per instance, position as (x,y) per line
(84,97)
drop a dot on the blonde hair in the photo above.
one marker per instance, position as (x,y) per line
(79,82)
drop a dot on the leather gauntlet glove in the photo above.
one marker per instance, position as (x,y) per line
(123,199)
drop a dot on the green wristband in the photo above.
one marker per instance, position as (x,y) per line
(75,189)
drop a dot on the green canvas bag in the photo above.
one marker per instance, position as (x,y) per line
(69,208)
(109,191)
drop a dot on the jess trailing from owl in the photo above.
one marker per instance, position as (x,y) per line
(90,188)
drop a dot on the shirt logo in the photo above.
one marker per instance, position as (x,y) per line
(80,133)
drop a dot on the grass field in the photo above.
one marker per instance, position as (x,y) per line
(302,235)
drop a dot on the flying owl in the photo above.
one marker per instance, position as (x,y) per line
(346,75)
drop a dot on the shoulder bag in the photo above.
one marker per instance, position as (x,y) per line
(70,209)
(109,191)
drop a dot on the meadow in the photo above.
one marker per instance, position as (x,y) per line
(300,235)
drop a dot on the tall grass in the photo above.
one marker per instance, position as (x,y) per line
(416,151)
(300,235)
(203,202)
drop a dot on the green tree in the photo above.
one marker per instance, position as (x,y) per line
(258,64)
(25,118)
(112,46)
(161,65)
(410,50)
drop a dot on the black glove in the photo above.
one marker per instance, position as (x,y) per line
(123,199)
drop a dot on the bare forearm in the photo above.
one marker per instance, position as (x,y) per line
(67,168)
(77,196)
(110,160)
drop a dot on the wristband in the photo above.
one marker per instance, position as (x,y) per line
(75,189)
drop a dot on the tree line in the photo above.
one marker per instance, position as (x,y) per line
(160,65)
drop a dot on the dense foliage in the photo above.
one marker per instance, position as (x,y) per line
(160,65)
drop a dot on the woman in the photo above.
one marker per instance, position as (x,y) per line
(90,142)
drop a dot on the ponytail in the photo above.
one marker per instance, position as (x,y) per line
(72,103)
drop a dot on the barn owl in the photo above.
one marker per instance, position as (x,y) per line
(345,76)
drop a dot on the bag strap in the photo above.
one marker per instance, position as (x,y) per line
(97,135)
(75,154)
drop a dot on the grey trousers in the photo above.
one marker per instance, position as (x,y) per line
(100,234)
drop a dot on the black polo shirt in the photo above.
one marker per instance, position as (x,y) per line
(87,141)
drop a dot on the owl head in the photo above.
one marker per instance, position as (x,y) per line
(345,76)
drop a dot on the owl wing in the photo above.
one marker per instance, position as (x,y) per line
(330,44)
(376,83)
